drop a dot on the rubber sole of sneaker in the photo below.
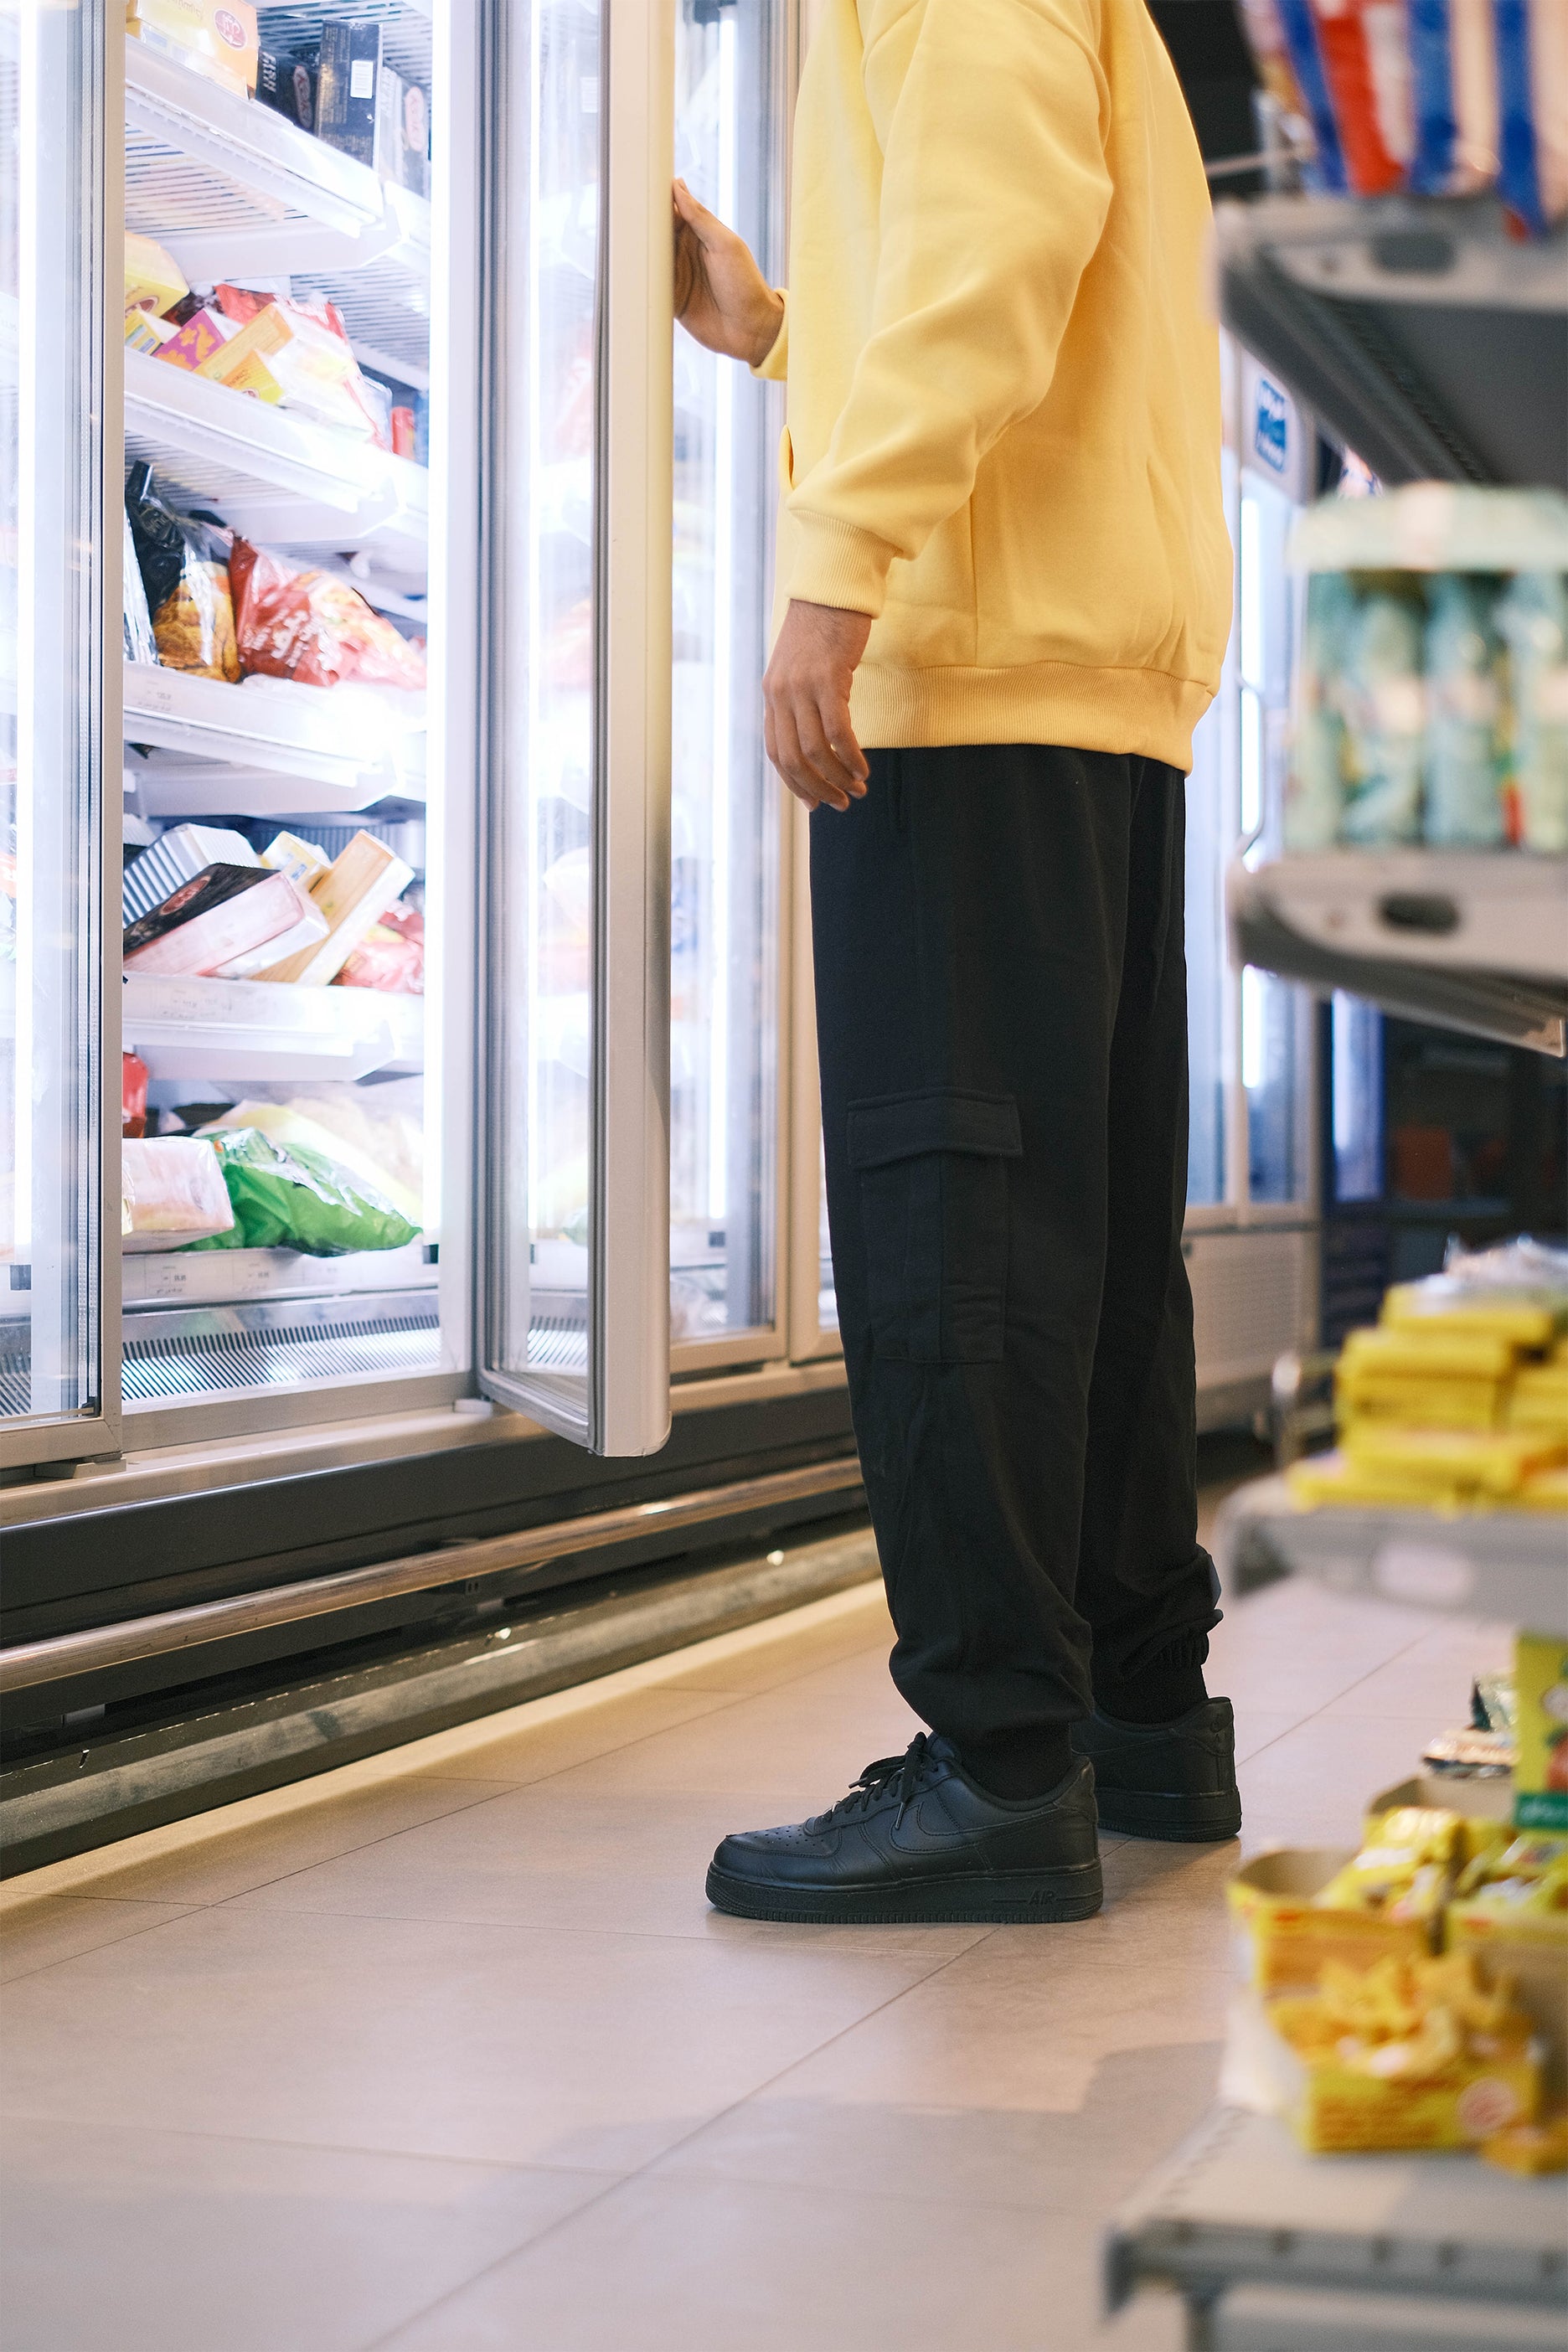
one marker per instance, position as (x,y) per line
(1210,1819)
(1051,1897)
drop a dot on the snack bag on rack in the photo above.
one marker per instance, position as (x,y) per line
(140,644)
(1385,715)
(184,560)
(1532,618)
(1464,711)
(292,1197)
(171,1193)
(296,621)
(1532,75)
(1366,60)
(1283,39)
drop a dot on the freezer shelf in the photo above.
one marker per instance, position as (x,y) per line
(231,1349)
(277,478)
(1427,338)
(1502,1564)
(1473,940)
(220,1278)
(1240,2202)
(245,750)
(252,1030)
(227,185)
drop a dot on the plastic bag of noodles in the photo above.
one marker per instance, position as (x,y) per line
(287,1196)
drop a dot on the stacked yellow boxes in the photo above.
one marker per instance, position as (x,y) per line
(1458,1399)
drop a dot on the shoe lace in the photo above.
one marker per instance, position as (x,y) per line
(911,1771)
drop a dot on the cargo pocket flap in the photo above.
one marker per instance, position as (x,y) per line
(902,1126)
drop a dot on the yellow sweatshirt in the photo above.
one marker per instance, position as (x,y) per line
(1003,434)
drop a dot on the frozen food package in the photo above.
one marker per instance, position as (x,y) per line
(215,38)
(184,560)
(132,1097)
(371,1130)
(213,920)
(154,279)
(354,892)
(348,73)
(285,81)
(402,132)
(1314,795)
(298,622)
(1453,64)
(296,354)
(198,338)
(1463,769)
(172,1191)
(288,1196)
(1533,78)
(143,332)
(302,860)
(140,646)
(1367,61)
(1385,711)
(391,955)
(1283,38)
(306,931)
(1532,618)
(175,857)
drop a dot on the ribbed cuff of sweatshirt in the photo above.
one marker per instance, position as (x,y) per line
(775,366)
(837,563)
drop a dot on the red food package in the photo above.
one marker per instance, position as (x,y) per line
(239,303)
(132,1095)
(313,628)
(390,957)
(1366,57)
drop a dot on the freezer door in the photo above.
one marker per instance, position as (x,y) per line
(59,599)
(574,1102)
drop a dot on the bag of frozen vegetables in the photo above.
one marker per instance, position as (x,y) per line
(289,1197)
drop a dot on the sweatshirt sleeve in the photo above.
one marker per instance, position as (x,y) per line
(991,116)
(774,368)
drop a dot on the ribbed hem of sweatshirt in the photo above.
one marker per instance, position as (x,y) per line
(1134,711)
(775,367)
(837,563)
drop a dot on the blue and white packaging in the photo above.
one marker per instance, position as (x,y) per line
(1327,170)
(1532,105)
(1453,61)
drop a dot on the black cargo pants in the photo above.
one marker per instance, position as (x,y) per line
(1002,1023)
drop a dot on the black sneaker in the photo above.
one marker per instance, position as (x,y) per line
(915,1839)
(1174,1780)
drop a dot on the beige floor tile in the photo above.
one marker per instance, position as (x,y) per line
(679,2265)
(61,1926)
(425,2037)
(149,2240)
(1311,1788)
(212,1869)
(542,1749)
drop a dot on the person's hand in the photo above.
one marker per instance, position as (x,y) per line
(805,695)
(721,296)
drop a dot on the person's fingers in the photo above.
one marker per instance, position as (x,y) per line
(793,765)
(839,729)
(704,226)
(818,752)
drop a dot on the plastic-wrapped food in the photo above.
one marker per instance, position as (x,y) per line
(1453,61)
(184,560)
(172,1191)
(1463,769)
(313,628)
(141,644)
(1284,41)
(1385,721)
(1533,77)
(292,1197)
(1366,58)
(1532,617)
(1314,800)
(391,955)
(374,1131)
(224,921)
(295,352)
(132,1097)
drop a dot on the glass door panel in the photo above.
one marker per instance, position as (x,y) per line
(574,1110)
(731,95)
(53,552)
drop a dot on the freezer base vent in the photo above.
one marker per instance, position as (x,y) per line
(1254,1299)
(174,1355)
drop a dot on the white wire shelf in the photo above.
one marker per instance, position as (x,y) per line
(279,480)
(1475,939)
(1240,2203)
(221,1277)
(230,187)
(209,749)
(249,1031)
(1507,1565)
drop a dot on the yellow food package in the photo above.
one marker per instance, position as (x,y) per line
(1491,1464)
(215,38)
(1541,1776)
(1538,1401)
(144,331)
(1415,1403)
(1532,2150)
(1404,1870)
(1544,1490)
(154,279)
(1335,1479)
(1431,1351)
(1527,1322)
(1284,1938)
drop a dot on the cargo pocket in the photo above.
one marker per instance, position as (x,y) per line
(933,1173)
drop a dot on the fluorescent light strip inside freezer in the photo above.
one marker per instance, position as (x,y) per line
(236,193)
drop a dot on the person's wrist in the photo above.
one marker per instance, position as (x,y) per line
(767,330)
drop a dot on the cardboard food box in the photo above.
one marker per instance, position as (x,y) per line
(1530,1951)
(1284,1941)
(356,888)
(215,38)
(1334,2108)
(348,70)
(1541,1779)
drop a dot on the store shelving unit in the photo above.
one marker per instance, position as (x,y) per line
(1476,940)
(261,1030)
(1427,338)
(1240,2207)
(265,746)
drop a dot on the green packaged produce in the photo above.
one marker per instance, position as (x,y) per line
(1463,771)
(293,1198)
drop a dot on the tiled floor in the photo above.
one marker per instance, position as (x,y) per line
(463,2061)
